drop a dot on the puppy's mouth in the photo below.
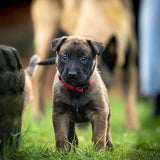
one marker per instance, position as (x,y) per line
(74,82)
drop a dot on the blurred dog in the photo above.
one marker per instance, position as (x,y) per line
(108,21)
(29,72)
(79,94)
(15,90)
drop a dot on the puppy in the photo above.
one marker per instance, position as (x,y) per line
(79,94)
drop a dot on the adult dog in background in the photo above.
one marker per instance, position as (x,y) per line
(108,21)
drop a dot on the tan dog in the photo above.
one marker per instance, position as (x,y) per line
(29,72)
(79,94)
(108,21)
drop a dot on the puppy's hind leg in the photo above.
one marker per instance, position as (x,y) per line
(108,138)
(72,135)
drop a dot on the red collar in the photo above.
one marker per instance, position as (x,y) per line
(77,89)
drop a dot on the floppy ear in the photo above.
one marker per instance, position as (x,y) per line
(109,57)
(97,47)
(56,43)
(112,45)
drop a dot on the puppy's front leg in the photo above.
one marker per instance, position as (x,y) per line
(99,127)
(61,125)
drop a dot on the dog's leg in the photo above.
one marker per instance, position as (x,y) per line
(99,127)
(72,135)
(108,139)
(131,93)
(61,130)
(130,86)
(45,16)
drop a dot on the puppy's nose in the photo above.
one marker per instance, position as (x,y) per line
(72,74)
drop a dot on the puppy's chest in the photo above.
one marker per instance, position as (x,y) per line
(77,108)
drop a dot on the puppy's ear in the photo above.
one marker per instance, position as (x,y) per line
(56,43)
(97,47)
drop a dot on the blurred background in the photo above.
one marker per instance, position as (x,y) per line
(16,27)
(16,30)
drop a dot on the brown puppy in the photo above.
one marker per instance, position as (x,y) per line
(79,94)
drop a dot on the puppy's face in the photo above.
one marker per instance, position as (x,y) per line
(76,58)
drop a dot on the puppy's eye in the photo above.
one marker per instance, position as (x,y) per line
(83,58)
(65,57)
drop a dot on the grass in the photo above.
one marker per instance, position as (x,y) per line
(37,140)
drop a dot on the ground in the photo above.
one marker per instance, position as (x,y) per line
(37,140)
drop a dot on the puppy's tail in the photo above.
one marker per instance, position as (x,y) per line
(32,65)
(50,61)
